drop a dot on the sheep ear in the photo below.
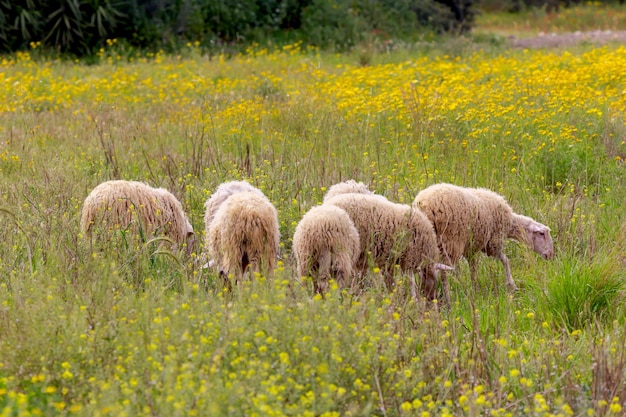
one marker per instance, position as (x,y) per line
(535,227)
(443,267)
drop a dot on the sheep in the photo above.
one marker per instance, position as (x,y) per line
(243,234)
(151,211)
(472,220)
(326,245)
(347,187)
(393,234)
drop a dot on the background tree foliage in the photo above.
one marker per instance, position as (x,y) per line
(81,27)
(548,5)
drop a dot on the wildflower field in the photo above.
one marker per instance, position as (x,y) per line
(119,330)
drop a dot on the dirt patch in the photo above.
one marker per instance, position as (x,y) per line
(557,40)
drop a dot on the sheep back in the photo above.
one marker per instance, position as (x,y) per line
(220,195)
(466,220)
(121,204)
(390,233)
(347,187)
(326,245)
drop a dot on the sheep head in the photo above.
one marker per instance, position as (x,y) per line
(190,238)
(534,234)
(430,275)
(538,238)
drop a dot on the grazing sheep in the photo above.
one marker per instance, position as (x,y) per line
(243,234)
(347,187)
(472,220)
(151,211)
(326,245)
(393,234)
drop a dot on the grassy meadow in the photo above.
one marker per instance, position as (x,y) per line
(115,329)
(593,15)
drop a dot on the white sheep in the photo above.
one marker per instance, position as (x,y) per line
(347,187)
(472,220)
(326,245)
(121,204)
(243,234)
(393,234)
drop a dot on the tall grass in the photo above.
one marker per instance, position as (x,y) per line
(586,291)
(113,328)
(582,17)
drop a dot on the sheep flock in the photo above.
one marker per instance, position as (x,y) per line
(353,232)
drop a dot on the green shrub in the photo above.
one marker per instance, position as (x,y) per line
(82,27)
(585,292)
(332,23)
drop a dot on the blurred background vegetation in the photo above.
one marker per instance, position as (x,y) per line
(82,27)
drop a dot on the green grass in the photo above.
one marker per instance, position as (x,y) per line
(586,292)
(125,327)
(531,21)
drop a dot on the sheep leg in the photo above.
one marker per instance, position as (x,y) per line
(323,272)
(320,286)
(245,264)
(361,268)
(446,286)
(507,270)
(429,284)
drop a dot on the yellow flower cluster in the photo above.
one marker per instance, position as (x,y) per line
(294,121)
(530,103)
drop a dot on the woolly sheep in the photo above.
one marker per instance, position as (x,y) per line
(472,220)
(347,187)
(243,234)
(123,204)
(326,245)
(393,234)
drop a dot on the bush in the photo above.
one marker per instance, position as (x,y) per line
(403,17)
(73,26)
(230,20)
(344,23)
(82,27)
(332,23)
(19,24)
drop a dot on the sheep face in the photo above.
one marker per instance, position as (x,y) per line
(429,282)
(540,240)
(191,238)
(430,276)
